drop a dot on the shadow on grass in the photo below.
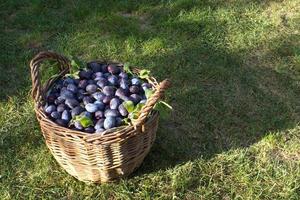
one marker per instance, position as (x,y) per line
(219,102)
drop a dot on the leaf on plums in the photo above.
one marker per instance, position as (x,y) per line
(163,108)
(76,64)
(127,69)
(126,121)
(129,106)
(139,107)
(149,93)
(144,74)
(74,75)
(134,115)
(84,121)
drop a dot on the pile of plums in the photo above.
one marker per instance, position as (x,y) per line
(98,94)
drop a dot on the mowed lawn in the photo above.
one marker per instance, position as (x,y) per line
(235,71)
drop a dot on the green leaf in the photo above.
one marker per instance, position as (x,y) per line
(163,108)
(133,115)
(76,64)
(144,74)
(126,121)
(76,118)
(129,106)
(139,107)
(73,75)
(84,121)
(149,93)
(127,69)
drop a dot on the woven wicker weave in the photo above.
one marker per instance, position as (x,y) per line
(99,157)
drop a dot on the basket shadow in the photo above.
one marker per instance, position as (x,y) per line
(219,106)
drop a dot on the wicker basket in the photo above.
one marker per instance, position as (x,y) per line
(99,157)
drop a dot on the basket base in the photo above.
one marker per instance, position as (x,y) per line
(100,160)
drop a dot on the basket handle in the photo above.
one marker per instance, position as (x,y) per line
(158,94)
(37,88)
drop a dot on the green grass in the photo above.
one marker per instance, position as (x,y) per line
(235,69)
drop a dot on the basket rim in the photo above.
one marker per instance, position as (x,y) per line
(107,134)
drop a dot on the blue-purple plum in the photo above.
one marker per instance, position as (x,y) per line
(77,110)
(71,103)
(99,104)
(76,81)
(99,96)
(73,88)
(135,81)
(107,99)
(61,107)
(61,122)
(91,88)
(59,84)
(99,114)
(86,114)
(68,81)
(100,130)
(134,89)
(109,90)
(51,98)
(146,86)
(121,92)
(113,80)
(104,68)
(119,121)
(87,99)
(89,130)
(66,115)
(143,101)
(136,98)
(123,75)
(93,82)
(94,66)
(78,125)
(99,124)
(90,107)
(109,122)
(111,113)
(55,115)
(124,84)
(59,100)
(114,103)
(80,96)
(82,84)
(97,75)
(106,75)
(54,90)
(122,110)
(125,98)
(49,109)
(66,94)
(85,74)
(113,69)
(102,82)
(63,89)
(81,91)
